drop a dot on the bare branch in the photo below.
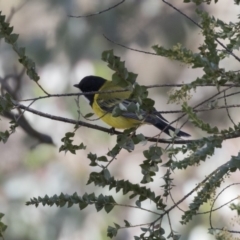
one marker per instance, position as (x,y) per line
(132,49)
(236,134)
(211,210)
(98,13)
(198,25)
(85,124)
(16,9)
(227,109)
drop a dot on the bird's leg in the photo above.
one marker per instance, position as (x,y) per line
(112,131)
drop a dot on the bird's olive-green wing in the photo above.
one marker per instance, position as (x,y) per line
(107,101)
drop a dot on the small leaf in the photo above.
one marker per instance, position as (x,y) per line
(13,38)
(102,159)
(88,115)
(138,203)
(127,224)
(82,205)
(111,232)
(116,225)
(108,207)
(106,174)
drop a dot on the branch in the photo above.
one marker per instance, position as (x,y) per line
(98,13)
(19,119)
(236,134)
(198,25)
(211,210)
(15,10)
(24,124)
(201,103)
(124,90)
(132,49)
(192,191)
(228,113)
(88,125)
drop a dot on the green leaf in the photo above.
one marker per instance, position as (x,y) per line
(13,38)
(154,153)
(117,226)
(88,115)
(121,76)
(21,52)
(125,142)
(197,122)
(4,136)
(68,146)
(139,138)
(106,174)
(138,203)
(102,159)
(82,205)
(127,224)
(111,232)
(235,207)
(99,206)
(3,228)
(108,207)
(93,159)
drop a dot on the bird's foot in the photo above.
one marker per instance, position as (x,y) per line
(112,131)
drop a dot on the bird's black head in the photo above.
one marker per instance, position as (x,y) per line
(90,84)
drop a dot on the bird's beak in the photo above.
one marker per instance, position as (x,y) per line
(75,85)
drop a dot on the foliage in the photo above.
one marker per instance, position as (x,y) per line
(193,152)
(3,227)
(11,38)
(6,105)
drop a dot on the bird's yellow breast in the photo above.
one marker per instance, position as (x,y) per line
(115,122)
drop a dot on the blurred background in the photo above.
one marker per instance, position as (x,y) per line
(67,49)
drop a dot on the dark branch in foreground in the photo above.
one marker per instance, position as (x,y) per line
(236,134)
(96,127)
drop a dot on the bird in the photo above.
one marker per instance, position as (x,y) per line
(103,105)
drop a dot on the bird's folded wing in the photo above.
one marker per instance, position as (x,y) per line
(109,104)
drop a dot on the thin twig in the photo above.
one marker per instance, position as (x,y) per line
(227,109)
(170,225)
(85,124)
(228,95)
(42,89)
(113,158)
(215,209)
(132,49)
(236,134)
(198,25)
(138,225)
(139,208)
(186,84)
(199,104)
(124,90)
(192,191)
(97,13)
(211,210)
(175,202)
(15,10)
(226,230)
(72,94)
